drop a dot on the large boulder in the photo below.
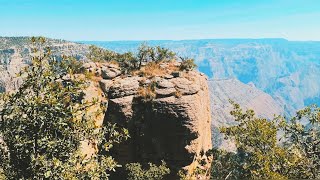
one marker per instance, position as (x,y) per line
(124,87)
(172,128)
(109,73)
(105,85)
(185,86)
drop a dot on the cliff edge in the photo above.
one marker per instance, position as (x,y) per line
(167,114)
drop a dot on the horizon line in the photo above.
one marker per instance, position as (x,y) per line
(139,40)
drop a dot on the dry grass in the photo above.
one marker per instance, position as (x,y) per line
(178,94)
(92,76)
(147,93)
(89,75)
(152,69)
(172,67)
(114,62)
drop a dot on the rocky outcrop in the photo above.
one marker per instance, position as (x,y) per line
(11,62)
(173,126)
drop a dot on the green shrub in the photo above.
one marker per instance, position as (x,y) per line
(260,155)
(97,54)
(302,138)
(129,61)
(187,64)
(44,121)
(148,93)
(136,172)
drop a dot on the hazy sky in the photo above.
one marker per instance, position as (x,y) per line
(161,19)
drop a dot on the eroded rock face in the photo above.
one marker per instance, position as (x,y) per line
(124,87)
(172,128)
(110,73)
(175,126)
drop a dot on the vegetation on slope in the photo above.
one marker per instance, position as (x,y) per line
(20,42)
(261,154)
(146,57)
(135,171)
(44,121)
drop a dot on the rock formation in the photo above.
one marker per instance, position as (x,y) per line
(168,117)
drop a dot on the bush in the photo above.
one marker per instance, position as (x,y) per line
(97,54)
(44,121)
(187,64)
(136,172)
(260,155)
(148,93)
(131,62)
(154,54)
(151,69)
(302,138)
(72,64)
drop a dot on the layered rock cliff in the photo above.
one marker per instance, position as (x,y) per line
(167,115)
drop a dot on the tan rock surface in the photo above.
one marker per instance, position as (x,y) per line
(170,128)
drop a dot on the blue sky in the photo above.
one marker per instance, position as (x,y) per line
(161,19)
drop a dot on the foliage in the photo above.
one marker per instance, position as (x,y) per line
(199,167)
(154,54)
(73,65)
(97,54)
(259,153)
(187,64)
(44,121)
(136,172)
(152,69)
(129,61)
(302,137)
(148,92)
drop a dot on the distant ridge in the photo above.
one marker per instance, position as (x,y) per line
(164,40)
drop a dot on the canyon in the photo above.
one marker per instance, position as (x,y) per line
(271,76)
